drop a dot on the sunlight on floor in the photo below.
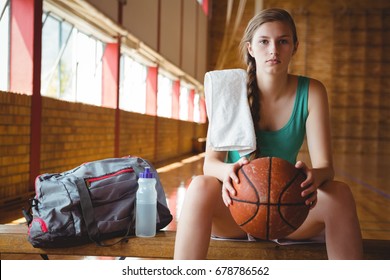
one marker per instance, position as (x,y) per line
(177,164)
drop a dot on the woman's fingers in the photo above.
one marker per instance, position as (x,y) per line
(227,187)
(230,189)
(310,190)
(225,197)
(312,200)
(308,181)
(301,165)
(242,161)
(233,176)
(227,192)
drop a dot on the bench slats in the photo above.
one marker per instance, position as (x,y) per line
(13,240)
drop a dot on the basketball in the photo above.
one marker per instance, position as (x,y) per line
(268,203)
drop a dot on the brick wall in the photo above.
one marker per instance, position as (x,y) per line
(347,49)
(14,144)
(73,133)
(344,44)
(167,138)
(187,131)
(137,135)
(360,95)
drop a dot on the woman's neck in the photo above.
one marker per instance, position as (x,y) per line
(273,86)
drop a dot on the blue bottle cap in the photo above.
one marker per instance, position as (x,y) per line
(147,173)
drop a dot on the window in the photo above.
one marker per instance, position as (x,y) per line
(184,99)
(71,62)
(88,68)
(164,96)
(132,85)
(4,45)
(56,71)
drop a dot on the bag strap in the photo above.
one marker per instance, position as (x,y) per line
(89,215)
(87,210)
(33,202)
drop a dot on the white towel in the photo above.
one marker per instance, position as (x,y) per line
(230,121)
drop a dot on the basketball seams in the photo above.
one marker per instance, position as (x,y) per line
(285,188)
(279,204)
(269,197)
(257,196)
(285,209)
(252,186)
(246,201)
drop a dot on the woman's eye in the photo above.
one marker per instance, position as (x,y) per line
(283,42)
(264,42)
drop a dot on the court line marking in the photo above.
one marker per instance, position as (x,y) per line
(362,183)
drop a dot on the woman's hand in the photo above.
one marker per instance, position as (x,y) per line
(227,185)
(310,185)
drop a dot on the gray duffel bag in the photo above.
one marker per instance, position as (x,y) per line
(90,203)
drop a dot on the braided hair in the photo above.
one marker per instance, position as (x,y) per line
(267,15)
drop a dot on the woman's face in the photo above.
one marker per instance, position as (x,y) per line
(272,47)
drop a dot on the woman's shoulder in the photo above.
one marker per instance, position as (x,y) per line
(315,86)
(317,92)
(314,83)
(316,89)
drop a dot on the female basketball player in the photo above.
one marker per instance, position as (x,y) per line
(269,42)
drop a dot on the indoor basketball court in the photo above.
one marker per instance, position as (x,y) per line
(52,121)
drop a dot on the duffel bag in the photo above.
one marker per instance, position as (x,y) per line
(90,203)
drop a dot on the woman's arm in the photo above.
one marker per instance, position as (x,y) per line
(318,131)
(319,142)
(318,128)
(214,165)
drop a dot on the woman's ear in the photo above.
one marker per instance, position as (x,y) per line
(249,48)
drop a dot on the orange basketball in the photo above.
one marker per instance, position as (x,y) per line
(268,202)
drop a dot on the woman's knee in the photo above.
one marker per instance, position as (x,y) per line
(204,183)
(204,188)
(339,191)
(337,196)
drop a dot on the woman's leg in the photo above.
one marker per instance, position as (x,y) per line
(336,213)
(203,213)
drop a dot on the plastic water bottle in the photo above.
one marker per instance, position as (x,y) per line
(146,205)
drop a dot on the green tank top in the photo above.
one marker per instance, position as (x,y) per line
(286,142)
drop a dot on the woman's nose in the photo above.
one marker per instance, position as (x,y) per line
(273,48)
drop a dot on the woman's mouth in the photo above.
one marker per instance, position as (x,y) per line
(273,61)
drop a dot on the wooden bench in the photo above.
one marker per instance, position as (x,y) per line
(13,240)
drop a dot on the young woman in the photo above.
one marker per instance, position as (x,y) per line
(284,108)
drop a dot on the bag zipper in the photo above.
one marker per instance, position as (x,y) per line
(94,179)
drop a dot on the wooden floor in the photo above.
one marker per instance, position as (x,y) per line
(368,177)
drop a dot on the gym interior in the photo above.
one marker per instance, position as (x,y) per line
(87,80)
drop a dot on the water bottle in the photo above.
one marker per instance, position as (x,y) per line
(146,205)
